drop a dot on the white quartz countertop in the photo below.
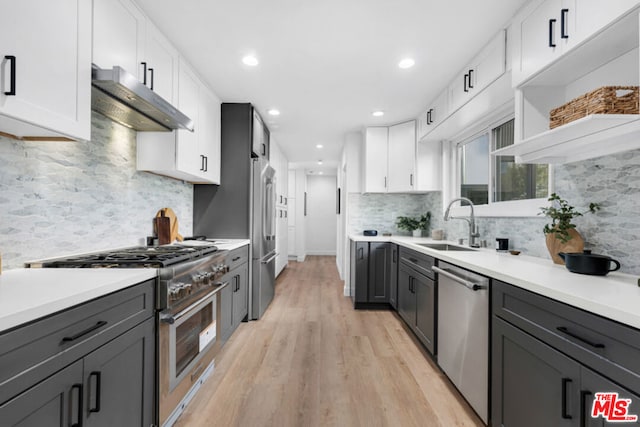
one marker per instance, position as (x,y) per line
(229,244)
(27,294)
(615,296)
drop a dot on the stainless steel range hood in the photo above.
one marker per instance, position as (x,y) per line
(121,97)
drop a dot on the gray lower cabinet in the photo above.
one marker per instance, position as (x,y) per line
(550,359)
(233,298)
(373,278)
(417,295)
(91,365)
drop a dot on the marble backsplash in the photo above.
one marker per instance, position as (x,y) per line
(613,181)
(58,198)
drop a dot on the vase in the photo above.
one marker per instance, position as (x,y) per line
(554,245)
(417,233)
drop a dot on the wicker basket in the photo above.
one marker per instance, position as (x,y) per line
(605,100)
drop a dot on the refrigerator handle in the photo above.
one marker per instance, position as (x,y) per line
(270,259)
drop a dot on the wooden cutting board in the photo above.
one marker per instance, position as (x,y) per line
(173,223)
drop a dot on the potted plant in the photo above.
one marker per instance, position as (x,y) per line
(561,234)
(415,225)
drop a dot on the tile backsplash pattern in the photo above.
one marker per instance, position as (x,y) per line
(613,181)
(58,198)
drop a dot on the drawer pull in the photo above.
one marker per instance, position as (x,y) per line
(565,383)
(80,409)
(566,331)
(413,260)
(236,259)
(98,325)
(584,394)
(98,377)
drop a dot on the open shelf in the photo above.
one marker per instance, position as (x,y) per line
(589,137)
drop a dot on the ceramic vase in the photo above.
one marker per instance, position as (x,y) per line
(417,233)
(554,245)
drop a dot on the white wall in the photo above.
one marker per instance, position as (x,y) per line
(321,215)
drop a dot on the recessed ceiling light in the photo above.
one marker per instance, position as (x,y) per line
(319,162)
(250,60)
(377,113)
(319,146)
(273,112)
(320,173)
(406,63)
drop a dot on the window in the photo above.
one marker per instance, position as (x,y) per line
(489,180)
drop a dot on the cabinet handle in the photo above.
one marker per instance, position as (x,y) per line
(552,23)
(470,79)
(79,410)
(411,180)
(235,259)
(286,214)
(361,253)
(12,70)
(206,163)
(90,329)
(583,407)
(564,14)
(429,117)
(144,73)
(465,82)
(385,182)
(98,377)
(394,255)
(566,331)
(264,149)
(565,383)
(151,72)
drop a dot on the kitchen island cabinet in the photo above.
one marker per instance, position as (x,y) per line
(92,365)
(46,104)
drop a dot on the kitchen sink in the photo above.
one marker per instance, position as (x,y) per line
(445,247)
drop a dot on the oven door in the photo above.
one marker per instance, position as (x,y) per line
(187,346)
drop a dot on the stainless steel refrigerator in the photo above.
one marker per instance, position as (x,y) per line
(243,205)
(264,237)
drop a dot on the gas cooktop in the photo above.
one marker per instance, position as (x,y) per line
(134,257)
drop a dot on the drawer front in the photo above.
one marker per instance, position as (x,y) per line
(421,262)
(606,346)
(237,257)
(33,352)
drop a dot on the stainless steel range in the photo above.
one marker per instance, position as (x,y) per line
(188,312)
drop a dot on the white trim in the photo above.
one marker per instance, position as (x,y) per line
(322,253)
(301,258)
(346,290)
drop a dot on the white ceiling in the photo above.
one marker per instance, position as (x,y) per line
(326,65)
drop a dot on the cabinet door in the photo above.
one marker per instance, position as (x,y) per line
(539,31)
(209,135)
(162,65)
(226,310)
(460,90)
(406,297)
(393,281)
(425,291)
(119,380)
(593,383)
(402,157)
(533,385)
(189,159)
(375,160)
(359,268)
(55,401)
(118,35)
(490,64)
(51,46)
(592,15)
(379,272)
(240,304)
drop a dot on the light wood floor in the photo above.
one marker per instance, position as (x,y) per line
(312,360)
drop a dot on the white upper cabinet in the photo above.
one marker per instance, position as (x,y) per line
(481,71)
(375,160)
(190,156)
(45,69)
(438,110)
(402,157)
(604,52)
(122,36)
(554,27)
(392,164)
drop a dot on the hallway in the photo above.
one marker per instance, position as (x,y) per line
(313,360)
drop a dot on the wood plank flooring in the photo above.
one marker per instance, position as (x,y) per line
(312,360)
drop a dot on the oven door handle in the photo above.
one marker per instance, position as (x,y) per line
(167,317)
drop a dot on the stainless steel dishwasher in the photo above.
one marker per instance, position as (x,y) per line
(463,333)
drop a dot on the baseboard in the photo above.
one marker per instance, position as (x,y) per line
(346,290)
(322,253)
(301,258)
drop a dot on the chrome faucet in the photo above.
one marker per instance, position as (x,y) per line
(473,228)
